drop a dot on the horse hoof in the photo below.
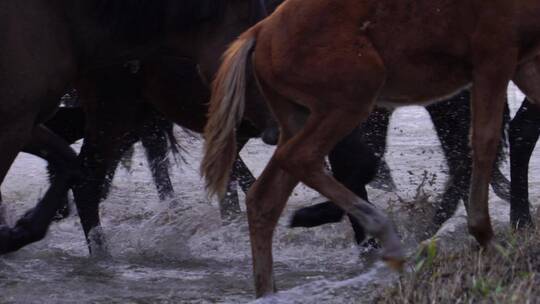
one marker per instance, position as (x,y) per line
(395,264)
(522,221)
(483,234)
(394,257)
(61,214)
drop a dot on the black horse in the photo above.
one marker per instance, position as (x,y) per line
(77,39)
(154,132)
(524,132)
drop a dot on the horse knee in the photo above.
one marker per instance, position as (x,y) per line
(485,149)
(300,165)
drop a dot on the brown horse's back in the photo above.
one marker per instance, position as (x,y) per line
(426,41)
(419,42)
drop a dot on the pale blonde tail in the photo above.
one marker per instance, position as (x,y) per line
(225,113)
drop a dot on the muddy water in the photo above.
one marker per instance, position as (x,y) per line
(178,252)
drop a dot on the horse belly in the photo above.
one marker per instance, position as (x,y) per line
(423,83)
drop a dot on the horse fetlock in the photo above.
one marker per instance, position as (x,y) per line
(373,220)
(521,219)
(392,250)
(264,285)
(97,244)
(379,225)
(481,230)
(6,240)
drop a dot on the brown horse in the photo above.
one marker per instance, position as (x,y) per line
(321,74)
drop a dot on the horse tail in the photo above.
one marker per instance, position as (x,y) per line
(503,147)
(174,145)
(225,113)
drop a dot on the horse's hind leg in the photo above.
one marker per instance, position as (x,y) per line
(14,135)
(354,165)
(243,175)
(2,212)
(34,224)
(99,158)
(265,202)
(375,132)
(303,157)
(338,102)
(229,206)
(525,127)
(451,119)
(524,132)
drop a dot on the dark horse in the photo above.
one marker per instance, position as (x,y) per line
(524,132)
(153,131)
(321,75)
(174,86)
(77,39)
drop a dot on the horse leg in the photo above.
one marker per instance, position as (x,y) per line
(354,165)
(491,76)
(34,224)
(451,119)
(156,147)
(64,210)
(243,175)
(2,212)
(16,131)
(524,132)
(68,124)
(103,147)
(328,123)
(303,157)
(241,172)
(229,206)
(265,201)
(375,131)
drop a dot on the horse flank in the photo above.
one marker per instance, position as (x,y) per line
(225,113)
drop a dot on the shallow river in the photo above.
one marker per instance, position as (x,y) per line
(178,252)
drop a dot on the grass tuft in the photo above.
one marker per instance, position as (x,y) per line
(507,272)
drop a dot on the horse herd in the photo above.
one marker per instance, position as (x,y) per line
(305,78)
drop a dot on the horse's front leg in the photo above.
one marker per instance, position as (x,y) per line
(108,136)
(493,70)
